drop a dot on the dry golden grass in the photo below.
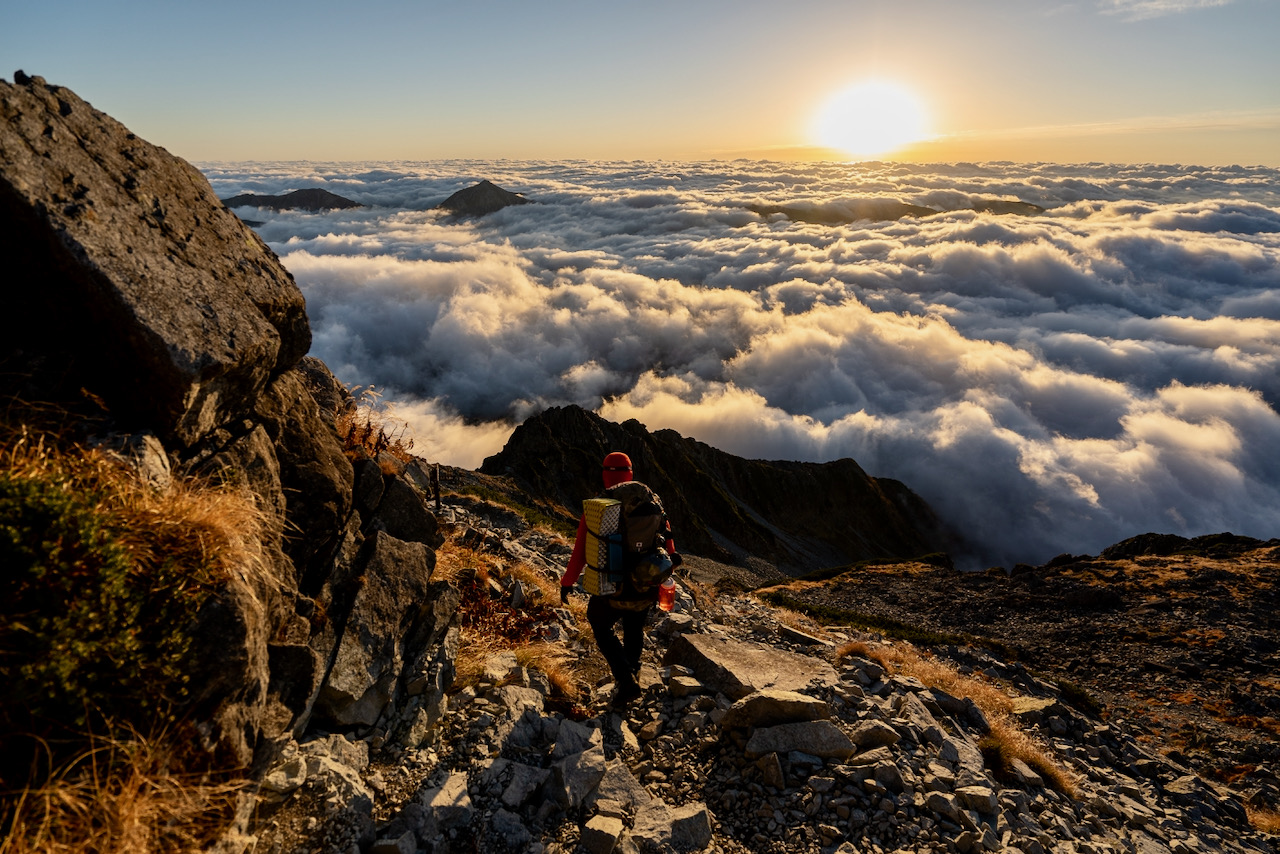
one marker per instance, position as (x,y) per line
(213,526)
(164,550)
(483,638)
(1264,819)
(1006,741)
(373,428)
(800,622)
(120,796)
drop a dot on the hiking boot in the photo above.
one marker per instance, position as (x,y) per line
(626,693)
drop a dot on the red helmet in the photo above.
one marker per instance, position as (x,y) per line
(617,469)
(617,461)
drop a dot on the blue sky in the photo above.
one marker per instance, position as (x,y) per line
(1114,80)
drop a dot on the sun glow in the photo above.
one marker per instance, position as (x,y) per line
(871,118)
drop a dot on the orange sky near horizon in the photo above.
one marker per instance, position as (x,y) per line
(1190,81)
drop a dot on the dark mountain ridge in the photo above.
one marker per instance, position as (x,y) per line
(847,211)
(312,199)
(480,199)
(797,516)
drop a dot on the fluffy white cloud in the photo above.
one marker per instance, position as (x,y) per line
(1051,381)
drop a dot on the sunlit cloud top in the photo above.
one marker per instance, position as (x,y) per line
(1050,381)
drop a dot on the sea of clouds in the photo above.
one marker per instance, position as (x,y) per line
(1050,382)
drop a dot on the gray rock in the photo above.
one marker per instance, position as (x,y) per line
(403,513)
(525,780)
(659,827)
(600,835)
(736,668)
(819,738)
(771,773)
(1035,710)
(875,756)
(620,786)
(449,803)
(771,706)
(578,775)
(676,624)
(889,775)
(367,493)
(685,686)
(387,610)
(574,737)
(1023,773)
(873,733)
(405,843)
(499,666)
(316,476)
(511,829)
(980,798)
(123,264)
(944,804)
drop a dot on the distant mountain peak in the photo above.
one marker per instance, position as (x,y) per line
(794,515)
(312,199)
(480,199)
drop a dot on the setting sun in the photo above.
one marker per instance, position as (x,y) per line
(871,118)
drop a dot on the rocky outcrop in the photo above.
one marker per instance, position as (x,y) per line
(481,199)
(178,313)
(128,284)
(312,199)
(800,516)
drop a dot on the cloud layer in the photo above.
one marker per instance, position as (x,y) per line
(1050,382)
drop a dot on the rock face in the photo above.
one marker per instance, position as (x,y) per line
(480,199)
(800,515)
(110,239)
(312,199)
(127,278)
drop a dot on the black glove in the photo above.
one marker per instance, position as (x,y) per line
(676,561)
(564,595)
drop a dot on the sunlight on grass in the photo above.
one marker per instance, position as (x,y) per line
(1007,740)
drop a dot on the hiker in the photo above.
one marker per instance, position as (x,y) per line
(629,605)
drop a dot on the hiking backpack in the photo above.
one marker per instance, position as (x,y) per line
(627,533)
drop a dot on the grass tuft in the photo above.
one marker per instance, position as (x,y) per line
(371,427)
(105,576)
(1264,819)
(119,796)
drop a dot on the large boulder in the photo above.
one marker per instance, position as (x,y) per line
(316,477)
(389,608)
(125,275)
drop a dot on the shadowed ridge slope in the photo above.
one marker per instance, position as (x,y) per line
(800,516)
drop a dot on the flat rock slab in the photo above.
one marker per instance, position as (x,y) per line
(771,707)
(817,738)
(737,668)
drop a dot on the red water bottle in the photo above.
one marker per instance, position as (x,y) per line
(667,594)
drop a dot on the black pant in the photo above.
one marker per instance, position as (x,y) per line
(624,657)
